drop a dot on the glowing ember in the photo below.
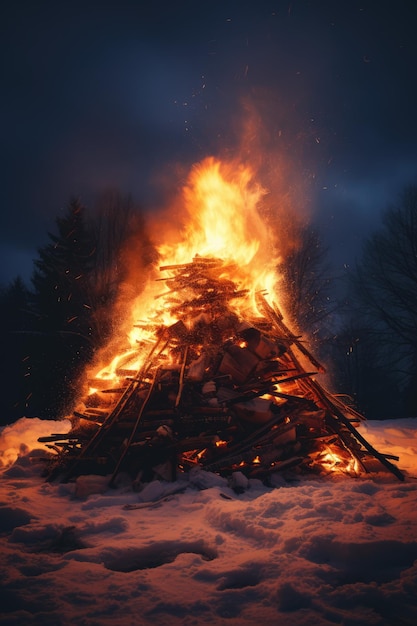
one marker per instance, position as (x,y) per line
(334,462)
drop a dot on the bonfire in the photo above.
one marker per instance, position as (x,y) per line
(211,376)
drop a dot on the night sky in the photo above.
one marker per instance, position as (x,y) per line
(128,95)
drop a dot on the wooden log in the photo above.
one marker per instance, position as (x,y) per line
(96,411)
(99,383)
(134,429)
(238,363)
(89,418)
(181,380)
(248,442)
(265,390)
(114,415)
(276,316)
(57,437)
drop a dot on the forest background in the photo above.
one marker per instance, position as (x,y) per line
(363,324)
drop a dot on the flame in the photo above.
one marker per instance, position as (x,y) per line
(222,220)
(220,443)
(334,462)
(222,203)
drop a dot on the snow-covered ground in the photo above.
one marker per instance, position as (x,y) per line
(329,550)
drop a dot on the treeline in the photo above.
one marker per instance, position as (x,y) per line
(379,335)
(51,330)
(367,339)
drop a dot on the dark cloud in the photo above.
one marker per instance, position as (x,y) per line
(112,94)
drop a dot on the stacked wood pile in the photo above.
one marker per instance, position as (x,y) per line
(221,390)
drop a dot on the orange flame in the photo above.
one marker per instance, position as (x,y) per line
(221,202)
(334,462)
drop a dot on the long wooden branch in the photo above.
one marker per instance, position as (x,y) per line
(134,429)
(339,416)
(278,319)
(114,415)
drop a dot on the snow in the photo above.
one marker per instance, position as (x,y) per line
(204,550)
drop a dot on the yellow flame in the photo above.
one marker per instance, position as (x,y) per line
(333,462)
(222,202)
(220,443)
(221,205)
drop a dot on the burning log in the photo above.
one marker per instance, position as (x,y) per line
(218,388)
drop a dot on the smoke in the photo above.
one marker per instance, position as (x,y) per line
(267,140)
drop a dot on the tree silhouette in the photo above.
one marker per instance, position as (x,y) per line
(359,371)
(51,332)
(385,284)
(61,275)
(76,281)
(62,341)
(17,321)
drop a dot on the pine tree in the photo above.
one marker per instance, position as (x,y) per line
(64,341)
(61,278)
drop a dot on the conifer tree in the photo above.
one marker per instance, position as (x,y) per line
(63,341)
(61,275)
